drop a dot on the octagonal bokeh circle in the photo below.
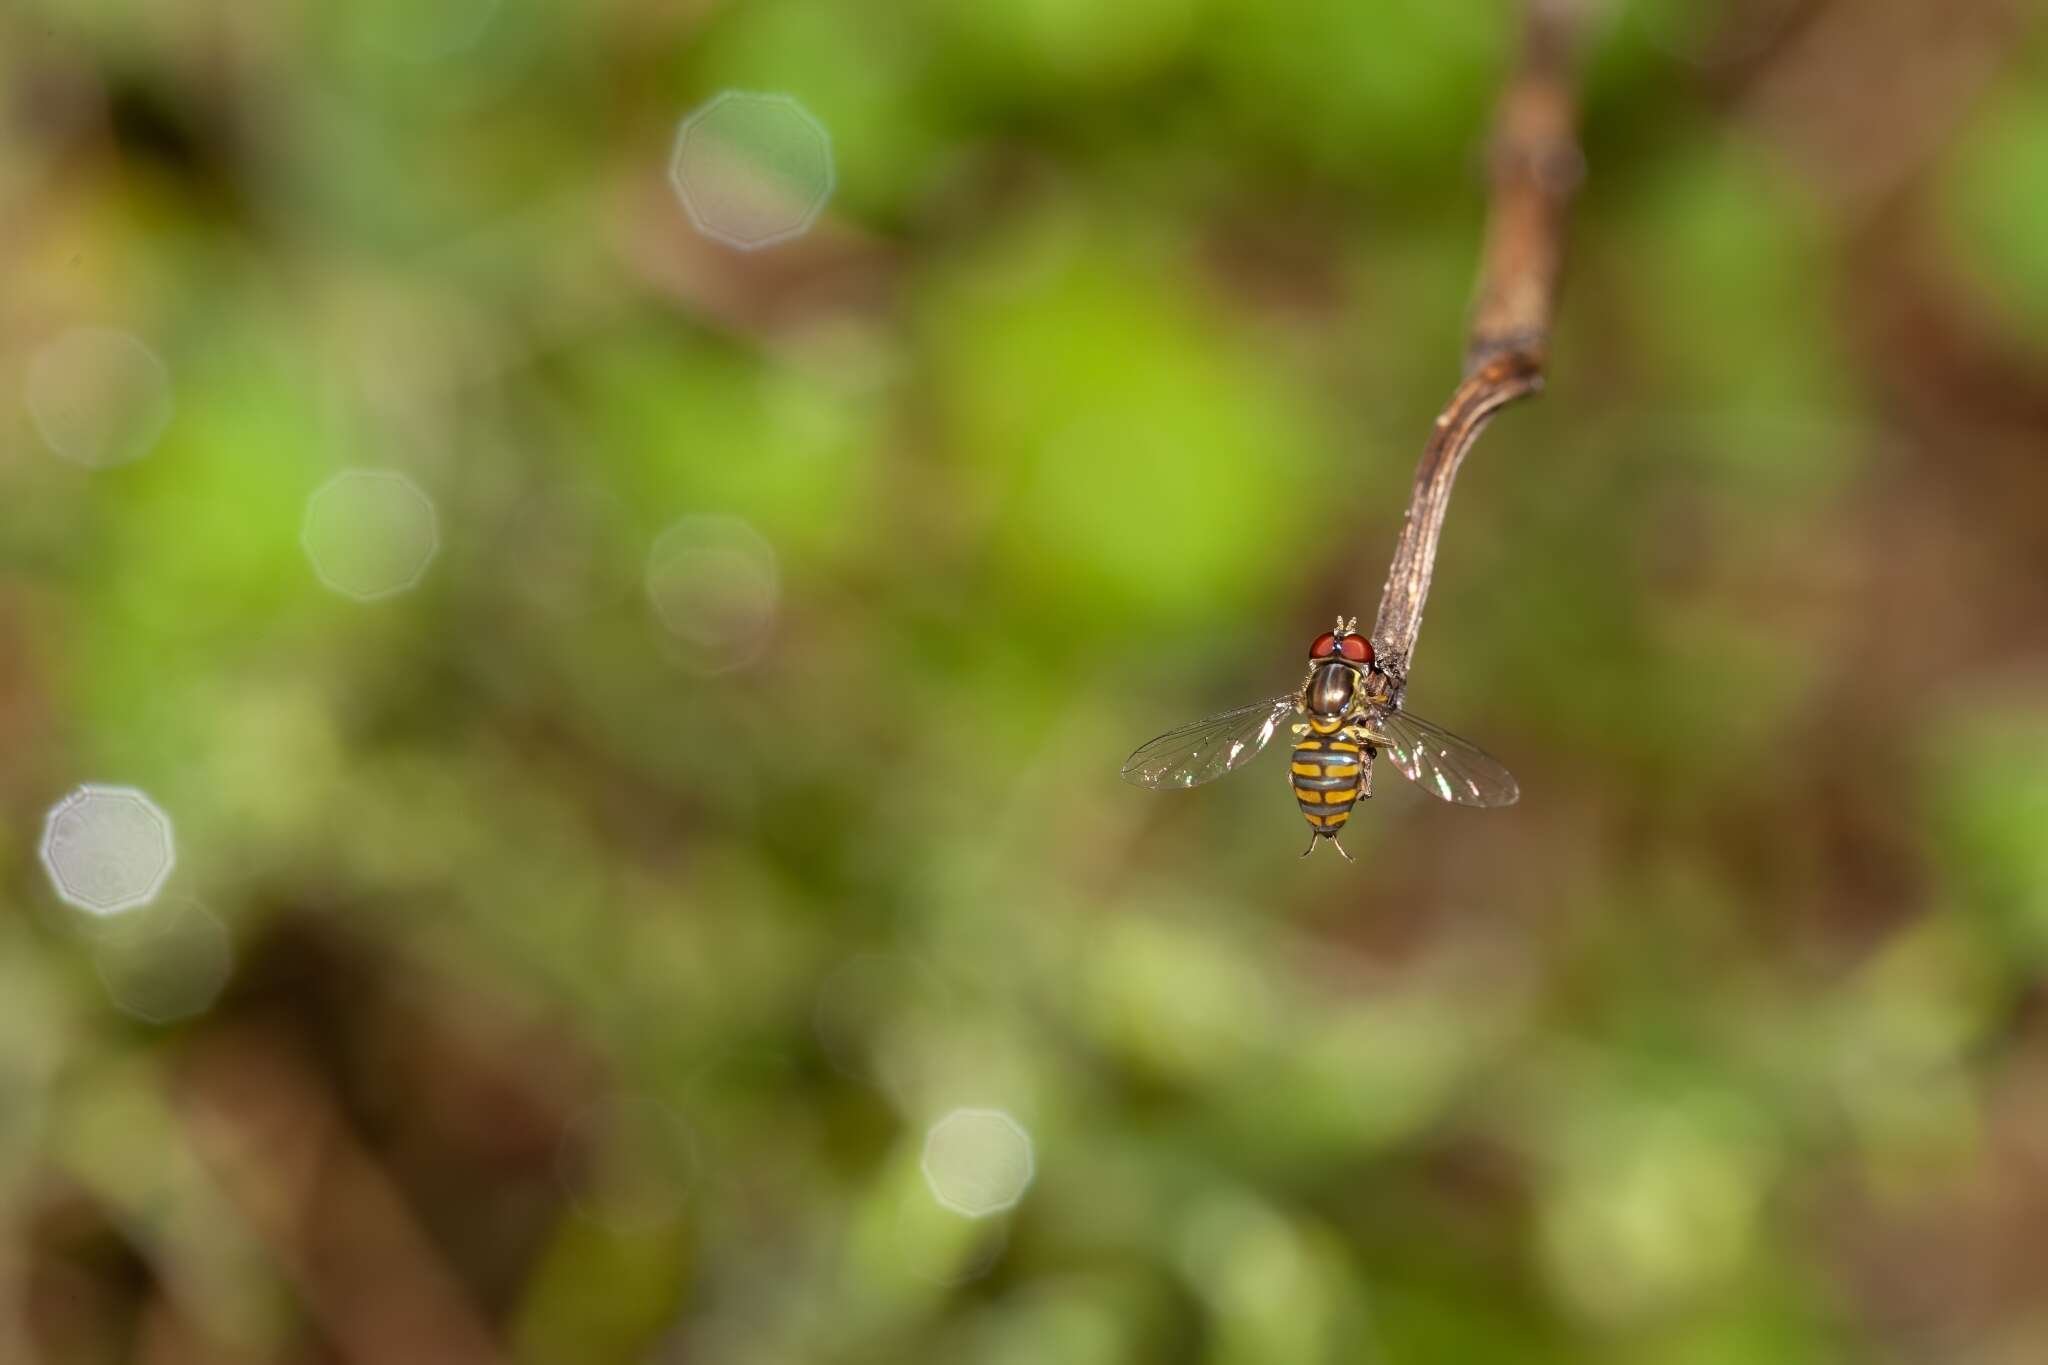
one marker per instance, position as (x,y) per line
(978,1161)
(370,533)
(752,169)
(107,849)
(171,966)
(99,397)
(715,585)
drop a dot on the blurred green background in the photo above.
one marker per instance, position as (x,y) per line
(616,914)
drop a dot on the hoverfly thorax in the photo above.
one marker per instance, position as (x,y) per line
(1331,686)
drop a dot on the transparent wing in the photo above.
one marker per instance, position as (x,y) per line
(1444,765)
(1207,749)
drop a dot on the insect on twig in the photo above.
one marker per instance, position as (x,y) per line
(1348,709)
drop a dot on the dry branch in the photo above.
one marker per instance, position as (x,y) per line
(1535,166)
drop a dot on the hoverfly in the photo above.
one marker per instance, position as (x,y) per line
(1348,710)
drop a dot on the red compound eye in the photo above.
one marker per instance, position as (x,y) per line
(1324,647)
(1356,648)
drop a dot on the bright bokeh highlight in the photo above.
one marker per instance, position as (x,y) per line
(107,849)
(978,1161)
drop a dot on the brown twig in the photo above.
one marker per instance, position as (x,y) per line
(1535,167)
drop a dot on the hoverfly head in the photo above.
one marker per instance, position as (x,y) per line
(1342,643)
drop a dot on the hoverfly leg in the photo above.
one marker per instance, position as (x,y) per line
(1359,734)
(1313,836)
(1340,848)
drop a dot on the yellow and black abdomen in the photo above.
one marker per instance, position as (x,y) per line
(1325,773)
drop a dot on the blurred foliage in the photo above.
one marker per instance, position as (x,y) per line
(594,990)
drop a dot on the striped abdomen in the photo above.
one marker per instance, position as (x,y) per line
(1325,773)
